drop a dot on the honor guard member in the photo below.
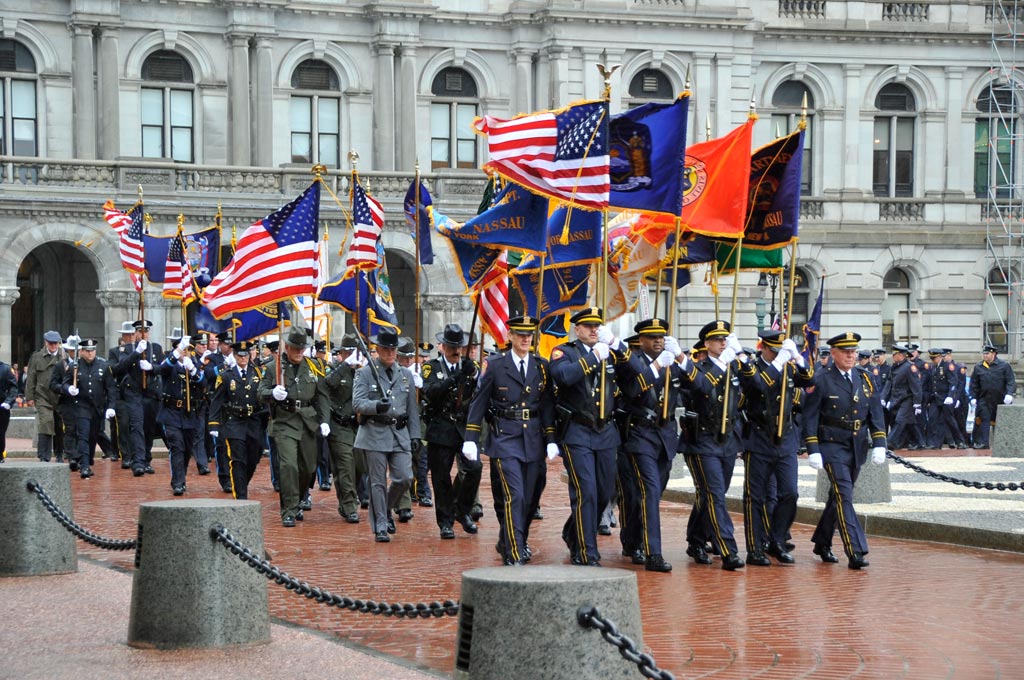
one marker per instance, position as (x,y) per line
(961,400)
(336,388)
(128,365)
(270,354)
(406,358)
(902,397)
(219,358)
(770,392)
(516,397)
(236,416)
(843,423)
(152,393)
(323,458)
(584,375)
(8,395)
(942,429)
(297,413)
(182,383)
(424,496)
(824,357)
(992,383)
(66,404)
(91,385)
(204,450)
(448,385)
(384,397)
(649,382)
(38,394)
(713,445)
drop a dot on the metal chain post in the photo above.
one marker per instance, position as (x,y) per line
(589,617)
(989,486)
(70,525)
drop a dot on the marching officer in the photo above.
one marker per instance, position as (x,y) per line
(448,384)
(128,364)
(91,385)
(38,394)
(771,391)
(8,395)
(842,419)
(962,399)
(182,384)
(902,397)
(152,393)
(941,396)
(992,383)
(516,397)
(584,375)
(236,415)
(220,357)
(65,404)
(336,387)
(297,413)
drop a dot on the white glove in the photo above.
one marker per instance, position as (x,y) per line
(206,354)
(229,361)
(672,345)
(947,401)
(733,343)
(325,429)
(189,366)
(553,451)
(799,359)
(814,460)
(605,335)
(666,358)
(110,413)
(145,365)
(177,354)
(417,380)
(974,402)
(956,404)
(1008,399)
(183,343)
(279,392)
(917,409)
(141,346)
(878,455)
(727,356)
(470,451)
(353,360)
(782,355)
(601,351)
(214,433)
(789,346)
(73,391)
(887,405)
(5,406)
(780,361)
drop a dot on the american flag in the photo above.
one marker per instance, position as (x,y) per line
(115,218)
(368,216)
(275,260)
(132,253)
(561,154)
(178,273)
(494,300)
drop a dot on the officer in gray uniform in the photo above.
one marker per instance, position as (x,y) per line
(336,387)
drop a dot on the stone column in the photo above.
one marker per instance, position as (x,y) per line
(559,65)
(263,131)
(721,122)
(406,117)
(851,133)
(957,134)
(542,85)
(109,101)
(120,305)
(523,84)
(83,92)
(238,100)
(613,57)
(384,108)
(7,298)
(593,83)
(700,106)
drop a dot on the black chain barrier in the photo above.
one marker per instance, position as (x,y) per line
(989,486)
(589,617)
(70,525)
(281,578)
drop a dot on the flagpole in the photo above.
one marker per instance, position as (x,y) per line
(671,312)
(353,159)
(280,342)
(184,316)
(416,245)
(540,298)
(788,314)
(606,73)
(147,219)
(732,322)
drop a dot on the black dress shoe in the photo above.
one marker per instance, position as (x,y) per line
(509,562)
(467,524)
(382,537)
(475,515)
(325,487)
(179,491)
(149,470)
(858,561)
(448,532)
(527,554)
(204,470)
(537,514)
(758,559)
(604,530)
(656,562)
(86,472)
(825,553)
(299,516)
(636,556)
(226,488)
(277,488)
(426,503)
(790,547)
(732,562)
(363,504)
(73,465)
(404,515)
(138,472)
(125,465)
(306,503)
(351,518)
(391,525)
(961,445)
(779,553)
(699,555)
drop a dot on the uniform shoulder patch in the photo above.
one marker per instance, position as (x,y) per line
(425,371)
(913,368)
(556,354)
(483,366)
(220,379)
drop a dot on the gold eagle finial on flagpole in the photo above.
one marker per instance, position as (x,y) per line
(606,74)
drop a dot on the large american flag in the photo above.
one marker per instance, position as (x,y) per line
(368,216)
(178,273)
(494,300)
(130,242)
(561,154)
(275,260)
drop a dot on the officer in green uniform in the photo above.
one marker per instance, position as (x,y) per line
(336,387)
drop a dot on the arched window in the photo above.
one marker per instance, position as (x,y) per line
(802,300)
(997,308)
(315,114)
(167,110)
(898,322)
(994,131)
(455,104)
(893,166)
(18,135)
(788,102)
(650,85)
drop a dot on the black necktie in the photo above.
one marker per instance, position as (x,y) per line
(522,369)
(390,373)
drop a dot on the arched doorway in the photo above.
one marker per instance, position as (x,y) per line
(58,284)
(403,290)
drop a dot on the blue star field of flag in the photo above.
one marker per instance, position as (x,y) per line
(575,129)
(297,221)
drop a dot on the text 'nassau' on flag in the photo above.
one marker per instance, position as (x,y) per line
(368,222)
(562,154)
(130,245)
(275,259)
(178,274)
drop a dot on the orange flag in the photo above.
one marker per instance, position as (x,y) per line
(717,184)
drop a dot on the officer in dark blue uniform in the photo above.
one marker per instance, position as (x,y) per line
(649,382)
(992,383)
(712,446)
(961,399)
(902,397)
(179,414)
(91,385)
(842,421)
(236,416)
(516,396)
(942,429)
(152,392)
(780,373)
(128,365)
(211,367)
(584,375)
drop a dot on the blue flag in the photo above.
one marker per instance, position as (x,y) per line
(648,157)
(425,226)
(357,294)
(517,221)
(812,329)
(202,250)
(565,287)
(247,325)
(582,231)
(471,261)
(773,211)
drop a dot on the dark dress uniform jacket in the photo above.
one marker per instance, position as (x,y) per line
(992,381)
(180,405)
(648,433)
(577,375)
(903,384)
(834,411)
(235,405)
(124,364)
(708,380)
(504,399)
(446,397)
(761,390)
(95,388)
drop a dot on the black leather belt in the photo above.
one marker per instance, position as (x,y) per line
(588,421)
(517,413)
(174,403)
(851,425)
(292,405)
(398,421)
(241,411)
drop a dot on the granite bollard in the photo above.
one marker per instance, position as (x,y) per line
(189,591)
(520,622)
(873,484)
(32,541)
(1008,434)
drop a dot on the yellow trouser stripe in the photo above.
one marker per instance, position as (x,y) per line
(231,467)
(510,529)
(722,547)
(581,540)
(643,504)
(748,505)
(844,533)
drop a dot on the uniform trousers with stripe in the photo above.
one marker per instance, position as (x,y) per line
(513,487)
(767,520)
(648,477)
(591,475)
(181,445)
(839,512)
(244,453)
(709,516)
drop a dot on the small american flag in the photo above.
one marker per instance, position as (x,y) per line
(494,300)
(561,154)
(115,218)
(368,216)
(275,260)
(178,274)
(132,254)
